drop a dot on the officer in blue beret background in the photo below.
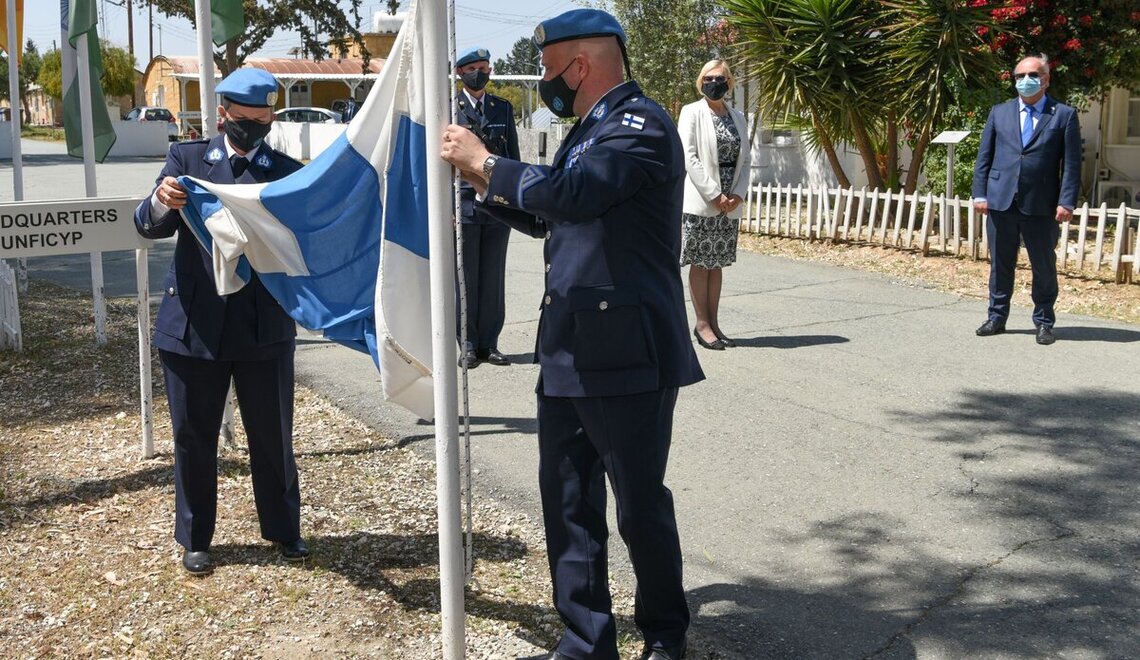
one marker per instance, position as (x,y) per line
(204,340)
(484,239)
(613,345)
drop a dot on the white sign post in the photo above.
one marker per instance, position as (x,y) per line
(950,139)
(80,226)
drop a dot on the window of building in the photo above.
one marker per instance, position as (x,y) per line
(1133,131)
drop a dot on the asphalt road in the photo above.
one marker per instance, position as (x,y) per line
(861,477)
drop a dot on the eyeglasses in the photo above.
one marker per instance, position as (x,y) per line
(1032,74)
(715,79)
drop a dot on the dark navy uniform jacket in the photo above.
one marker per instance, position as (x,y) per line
(498,126)
(613,314)
(193,319)
(1042,175)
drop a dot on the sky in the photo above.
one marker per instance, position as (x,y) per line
(492,24)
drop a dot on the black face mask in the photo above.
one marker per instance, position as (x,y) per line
(715,90)
(557,95)
(246,134)
(475,80)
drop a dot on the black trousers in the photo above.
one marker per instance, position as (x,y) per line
(1006,230)
(196,390)
(582,441)
(485,274)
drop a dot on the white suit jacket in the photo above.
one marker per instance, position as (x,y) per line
(698,136)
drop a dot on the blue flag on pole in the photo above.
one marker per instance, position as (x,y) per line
(342,243)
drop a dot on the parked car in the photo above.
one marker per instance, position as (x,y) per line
(309,115)
(346,107)
(150,113)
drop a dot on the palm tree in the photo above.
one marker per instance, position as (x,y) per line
(857,70)
(934,47)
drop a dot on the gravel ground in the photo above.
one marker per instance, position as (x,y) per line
(91,569)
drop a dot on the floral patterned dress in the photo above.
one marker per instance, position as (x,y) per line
(710,242)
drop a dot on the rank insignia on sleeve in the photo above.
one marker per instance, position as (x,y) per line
(633,121)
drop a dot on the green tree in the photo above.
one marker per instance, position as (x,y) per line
(315,20)
(29,72)
(868,72)
(669,42)
(118,72)
(522,60)
(393,7)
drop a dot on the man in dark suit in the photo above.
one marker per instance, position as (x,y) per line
(484,239)
(613,345)
(205,340)
(1026,180)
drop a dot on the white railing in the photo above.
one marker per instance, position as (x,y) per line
(926,223)
(11,338)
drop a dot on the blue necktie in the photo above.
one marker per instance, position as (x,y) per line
(1027,129)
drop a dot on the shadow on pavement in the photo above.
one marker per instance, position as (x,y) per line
(793,341)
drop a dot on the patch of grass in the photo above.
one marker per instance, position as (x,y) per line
(46,133)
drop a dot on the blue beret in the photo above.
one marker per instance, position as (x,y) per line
(578,24)
(474,55)
(256,88)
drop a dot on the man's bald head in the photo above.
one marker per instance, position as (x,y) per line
(592,66)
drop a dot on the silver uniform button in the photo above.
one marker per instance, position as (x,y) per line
(548,268)
(548,234)
(170,291)
(603,305)
(547,300)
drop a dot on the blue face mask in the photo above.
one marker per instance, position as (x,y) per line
(1027,86)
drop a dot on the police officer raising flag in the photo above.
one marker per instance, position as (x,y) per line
(204,340)
(613,345)
(491,118)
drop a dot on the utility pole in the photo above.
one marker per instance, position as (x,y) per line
(150,18)
(160,38)
(130,29)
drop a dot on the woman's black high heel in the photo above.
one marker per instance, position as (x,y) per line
(728,343)
(717,345)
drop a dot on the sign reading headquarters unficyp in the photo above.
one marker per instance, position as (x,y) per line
(69,226)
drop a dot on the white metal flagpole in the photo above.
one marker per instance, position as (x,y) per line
(442,250)
(206,68)
(83,70)
(13,47)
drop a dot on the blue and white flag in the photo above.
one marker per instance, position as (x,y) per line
(342,243)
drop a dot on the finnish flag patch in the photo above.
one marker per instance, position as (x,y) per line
(633,121)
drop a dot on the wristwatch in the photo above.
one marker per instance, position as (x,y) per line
(488,165)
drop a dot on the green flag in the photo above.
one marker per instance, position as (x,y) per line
(227,20)
(81,20)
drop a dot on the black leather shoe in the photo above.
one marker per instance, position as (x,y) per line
(717,345)
(496,358)
(197,563)
(728,343)
(990,328)
(295,550)
(469,359)
(668,653)
(1045,335)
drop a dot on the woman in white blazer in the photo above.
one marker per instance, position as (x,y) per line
(718,162)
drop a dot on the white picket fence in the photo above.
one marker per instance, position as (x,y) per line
(11,338)
(1095,238)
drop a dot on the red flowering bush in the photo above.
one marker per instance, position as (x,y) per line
(1092,45)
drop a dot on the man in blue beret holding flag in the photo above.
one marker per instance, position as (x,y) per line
(484,239)
(204,340)
(613,344)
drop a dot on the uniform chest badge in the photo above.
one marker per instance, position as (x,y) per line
(601,110)
(264,162)
(214,156)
